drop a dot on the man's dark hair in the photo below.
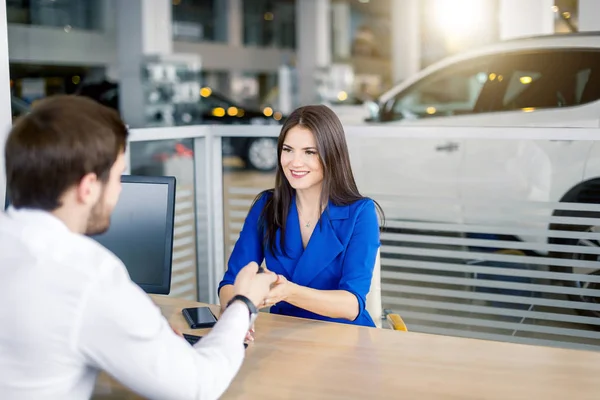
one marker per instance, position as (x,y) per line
(53,147)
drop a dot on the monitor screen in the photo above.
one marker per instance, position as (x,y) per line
(141,230)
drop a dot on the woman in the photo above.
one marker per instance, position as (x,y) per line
(314,229)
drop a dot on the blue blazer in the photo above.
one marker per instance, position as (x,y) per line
(340,254)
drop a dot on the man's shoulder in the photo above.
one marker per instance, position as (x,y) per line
(76,254)
(91,254)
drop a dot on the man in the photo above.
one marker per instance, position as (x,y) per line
(67,306)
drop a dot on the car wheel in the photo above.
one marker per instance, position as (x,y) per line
(261,154)
(586,284)
(582,284)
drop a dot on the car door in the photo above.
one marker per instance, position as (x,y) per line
(425,170)
(417,176)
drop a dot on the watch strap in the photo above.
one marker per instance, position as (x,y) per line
(251,307)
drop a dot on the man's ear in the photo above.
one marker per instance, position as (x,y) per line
(88,189)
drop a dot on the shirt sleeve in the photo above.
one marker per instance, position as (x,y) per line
(361,253)
(122,332)
(249,246)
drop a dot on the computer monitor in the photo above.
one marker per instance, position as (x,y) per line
(141,230)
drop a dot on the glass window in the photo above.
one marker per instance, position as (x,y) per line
(453,91)
(200,20)
(518,83)
(549,79)
(67,14)
(270,23)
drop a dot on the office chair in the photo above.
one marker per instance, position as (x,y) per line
(373,305)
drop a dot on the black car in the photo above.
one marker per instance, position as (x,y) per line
(213,108)
(257,153)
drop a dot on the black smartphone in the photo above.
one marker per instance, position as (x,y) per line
(199,317)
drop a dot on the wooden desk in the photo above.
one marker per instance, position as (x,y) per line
(303,359)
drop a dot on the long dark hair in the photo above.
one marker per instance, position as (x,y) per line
(339,185)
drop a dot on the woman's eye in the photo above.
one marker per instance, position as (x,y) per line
(286,150)
(311,153)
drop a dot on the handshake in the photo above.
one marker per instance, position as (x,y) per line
(263,287)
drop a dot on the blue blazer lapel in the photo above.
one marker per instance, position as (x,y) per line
(323,247)
(293,243)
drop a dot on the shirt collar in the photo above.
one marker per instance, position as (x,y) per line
(38,217)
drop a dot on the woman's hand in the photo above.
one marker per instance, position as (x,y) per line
(250,334)
(177,331)
(281,290)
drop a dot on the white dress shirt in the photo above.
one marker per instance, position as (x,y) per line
(69,309)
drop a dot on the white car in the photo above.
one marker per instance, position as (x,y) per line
(541,81)
(551,81)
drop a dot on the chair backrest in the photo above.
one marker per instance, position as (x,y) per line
(373,305)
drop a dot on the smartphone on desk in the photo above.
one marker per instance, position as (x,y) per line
(199,317)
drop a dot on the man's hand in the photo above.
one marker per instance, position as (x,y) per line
(253,285)
(281,291)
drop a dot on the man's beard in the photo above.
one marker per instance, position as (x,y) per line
(99,219)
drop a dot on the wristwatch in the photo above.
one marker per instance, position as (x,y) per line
(251,307)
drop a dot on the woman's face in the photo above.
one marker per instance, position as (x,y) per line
(300,160)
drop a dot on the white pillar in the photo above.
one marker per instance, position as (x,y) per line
(589,15)
(108,17)
(285,97)
(342,40)
(5,107)
(144,28)
(406,38)
(107,23)
(314,45)
(526,18)
(235,22)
